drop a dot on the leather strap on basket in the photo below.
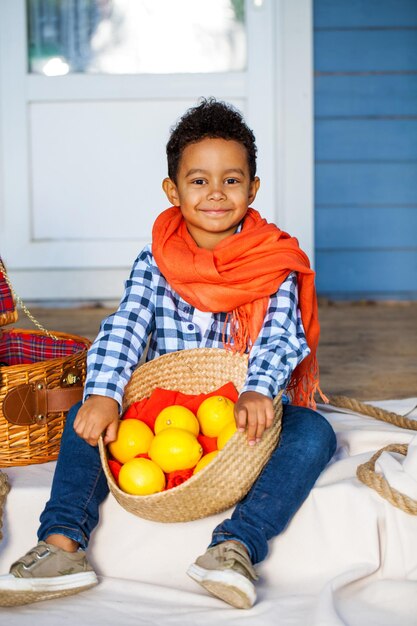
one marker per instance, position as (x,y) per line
(35,404)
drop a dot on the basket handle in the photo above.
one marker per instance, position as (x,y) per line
(22,305)
(33,403)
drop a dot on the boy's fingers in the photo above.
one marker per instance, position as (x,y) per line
(86,430)
(79,427)
(255,418)
(77,422)
(241,419)
(88,434)
(111,433)
(261,426)
(97,429)
(252,428)
(270,414)
(265,421)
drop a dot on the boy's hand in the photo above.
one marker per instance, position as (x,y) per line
(97,415)
(254,412)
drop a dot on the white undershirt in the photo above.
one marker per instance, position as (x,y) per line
(202,319)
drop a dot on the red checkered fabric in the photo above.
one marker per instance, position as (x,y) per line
(6,300)
(18,347)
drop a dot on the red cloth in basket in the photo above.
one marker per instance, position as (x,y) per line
(148,409)
(19,347)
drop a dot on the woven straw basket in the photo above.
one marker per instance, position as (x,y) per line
(41,376)
(35,437)
(228,478)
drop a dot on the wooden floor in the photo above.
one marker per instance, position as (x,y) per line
(367,351)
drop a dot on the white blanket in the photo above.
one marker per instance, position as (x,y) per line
(347,558)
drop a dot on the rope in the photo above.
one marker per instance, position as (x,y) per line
(4,490)
(373,411)
(366,472)
(22,305)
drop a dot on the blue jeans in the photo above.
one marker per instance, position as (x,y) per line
(78,488)
(306,445)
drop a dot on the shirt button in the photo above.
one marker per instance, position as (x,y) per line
(190,326)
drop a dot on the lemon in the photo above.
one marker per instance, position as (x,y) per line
(214,413)
(225,434)
(141,477)
(134,437)
(205,460)
(175,449)
(177,417)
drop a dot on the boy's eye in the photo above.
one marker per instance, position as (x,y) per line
(231,181)
(199,181)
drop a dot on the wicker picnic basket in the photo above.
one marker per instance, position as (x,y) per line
(41,377)
(228,478)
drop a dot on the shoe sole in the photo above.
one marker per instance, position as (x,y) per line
(230,586)
(17,591)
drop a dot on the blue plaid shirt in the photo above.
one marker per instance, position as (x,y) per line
(151,310)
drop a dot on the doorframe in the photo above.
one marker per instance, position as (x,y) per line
(294,98)
(288,99)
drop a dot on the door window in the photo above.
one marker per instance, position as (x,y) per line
(136,36)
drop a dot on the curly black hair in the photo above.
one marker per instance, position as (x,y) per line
(210,118)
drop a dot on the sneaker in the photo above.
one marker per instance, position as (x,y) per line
(46,572)
(226,571)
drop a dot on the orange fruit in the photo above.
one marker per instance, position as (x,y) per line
(141,477)
(214,414)
(225,434)
(205,460)
(175,449)
(176,416)
(133,437)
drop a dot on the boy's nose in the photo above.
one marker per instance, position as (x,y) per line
(216,193)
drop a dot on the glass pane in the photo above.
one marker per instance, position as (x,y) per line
(135,36)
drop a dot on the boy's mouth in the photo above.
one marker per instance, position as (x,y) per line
(212,211)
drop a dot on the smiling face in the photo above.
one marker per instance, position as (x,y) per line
(213,189)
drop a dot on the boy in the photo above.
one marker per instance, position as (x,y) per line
(217,275)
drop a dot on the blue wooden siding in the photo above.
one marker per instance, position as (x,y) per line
(365,58)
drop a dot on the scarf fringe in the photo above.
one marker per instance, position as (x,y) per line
(239,340)
(304,384)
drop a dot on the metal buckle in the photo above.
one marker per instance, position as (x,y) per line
(71,377)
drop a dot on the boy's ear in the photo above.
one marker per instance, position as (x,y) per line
(253,188)
(171,191)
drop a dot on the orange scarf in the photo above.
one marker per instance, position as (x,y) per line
(238,276)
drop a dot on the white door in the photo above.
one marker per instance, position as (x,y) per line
(83,151)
